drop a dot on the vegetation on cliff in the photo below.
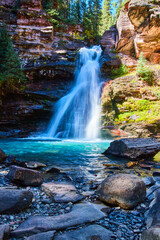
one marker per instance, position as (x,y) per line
(132,104)
(11,74)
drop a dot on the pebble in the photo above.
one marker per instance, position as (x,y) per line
(125,225)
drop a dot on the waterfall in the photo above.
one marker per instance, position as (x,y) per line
(77,113)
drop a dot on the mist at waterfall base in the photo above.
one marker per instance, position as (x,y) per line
(77,114)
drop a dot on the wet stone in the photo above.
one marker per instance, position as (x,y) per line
(42,236)
(4,231)
(34,165)
(149,181)
(94,232)
(14,200)
(80,214)
(24,176)
(61,192)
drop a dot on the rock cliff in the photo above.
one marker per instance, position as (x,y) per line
(48,58)
(43,52)
(131,108)
(138,27)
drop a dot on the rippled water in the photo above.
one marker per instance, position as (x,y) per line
(82,158)
(78,159)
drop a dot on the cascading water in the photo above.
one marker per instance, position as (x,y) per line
(77,113)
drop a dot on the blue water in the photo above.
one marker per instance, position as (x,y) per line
(54,152)
(72,156)
(78,159)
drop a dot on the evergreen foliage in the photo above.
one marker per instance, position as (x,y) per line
(84,12)
(11,74)
(144,73)
(121,71)
(106,16)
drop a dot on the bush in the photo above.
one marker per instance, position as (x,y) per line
(144,73)
(122,70)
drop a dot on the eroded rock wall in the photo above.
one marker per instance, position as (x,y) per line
(139,29)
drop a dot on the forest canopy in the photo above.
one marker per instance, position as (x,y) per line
(95,16)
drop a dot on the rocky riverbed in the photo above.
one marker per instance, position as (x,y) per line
(39,201)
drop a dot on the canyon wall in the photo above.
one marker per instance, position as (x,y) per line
(138,27)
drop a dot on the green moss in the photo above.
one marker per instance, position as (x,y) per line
(139,110)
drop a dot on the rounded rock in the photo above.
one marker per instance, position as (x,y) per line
(124,190)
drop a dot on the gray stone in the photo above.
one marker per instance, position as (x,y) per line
(80,214)
(124,190)
(24,176)
(93,232)
(151,191)
(34,165)
(149,181)
(4,231)
(61,192)
(134,148)
(42,236)
(152,216)
(14,200)
(151,234)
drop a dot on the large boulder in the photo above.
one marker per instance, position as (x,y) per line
(134,148)
(61,192)
(123,190)
(24,176)
(3,156)
(14,200)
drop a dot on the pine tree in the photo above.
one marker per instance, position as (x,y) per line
(10,67)
(144,73)
(106,16)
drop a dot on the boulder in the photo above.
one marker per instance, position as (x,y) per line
(61,192)
(4,231)
(24,176)
(14,200)
(124,190)
(134,148)
(3,156)
(80,214)
(87,233)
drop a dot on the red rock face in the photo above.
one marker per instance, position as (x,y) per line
(8,3)
(29,28)
(139,29)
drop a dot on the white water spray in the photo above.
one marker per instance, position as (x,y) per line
(77,113)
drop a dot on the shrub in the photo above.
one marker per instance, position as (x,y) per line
(144,73)
(122,70)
